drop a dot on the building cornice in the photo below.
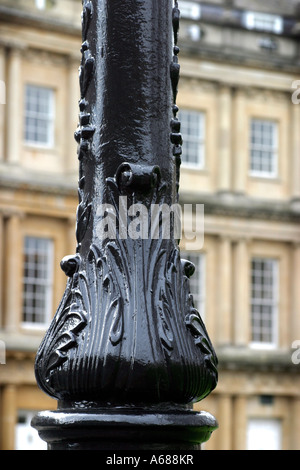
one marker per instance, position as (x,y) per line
(217,204)
(241,57)
(28,18)
(247,358)
(62,185)
(241,206)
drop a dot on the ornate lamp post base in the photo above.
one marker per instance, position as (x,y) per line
(127,351)
(124,429)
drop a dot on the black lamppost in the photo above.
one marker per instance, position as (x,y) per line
(126,352)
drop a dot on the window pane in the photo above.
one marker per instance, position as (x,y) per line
(263,22)
(193,135)
(264,434)
(26,437)
(37,280)
(264,300)
(263,148)
(39,115)
(190,10)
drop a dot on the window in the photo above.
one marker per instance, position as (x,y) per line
(197,280)
(263,22)
(193,134)
(263,148)
(37,282)
(264,434)
(191,10)
(193,32)
(264,301)
(40,4)
(27,437)
(39,116)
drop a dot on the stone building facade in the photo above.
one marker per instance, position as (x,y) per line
(238,100)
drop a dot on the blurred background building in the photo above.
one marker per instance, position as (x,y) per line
(238,99)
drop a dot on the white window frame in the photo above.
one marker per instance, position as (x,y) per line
(260,301)
(198,279)
(46,117)
(45,284)
(193,136)
(263,22)
(190,10)
(263,147)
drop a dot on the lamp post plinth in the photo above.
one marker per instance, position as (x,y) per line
(124,429)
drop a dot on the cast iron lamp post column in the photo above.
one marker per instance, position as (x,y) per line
(126,352)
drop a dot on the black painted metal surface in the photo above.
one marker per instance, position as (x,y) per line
(126,335)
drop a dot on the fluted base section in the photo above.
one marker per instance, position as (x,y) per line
(124,429)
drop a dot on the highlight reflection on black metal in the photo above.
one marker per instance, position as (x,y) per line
(126,340)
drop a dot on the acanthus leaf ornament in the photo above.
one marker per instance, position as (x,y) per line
(131,307)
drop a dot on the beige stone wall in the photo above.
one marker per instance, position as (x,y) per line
(38,197)
(238,399)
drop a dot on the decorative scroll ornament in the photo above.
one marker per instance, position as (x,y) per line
(176,137)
